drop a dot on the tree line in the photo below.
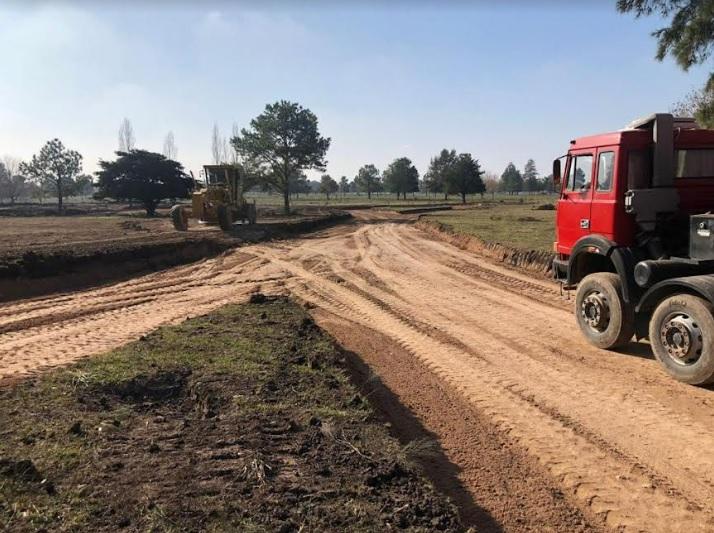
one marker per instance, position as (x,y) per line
(273,153)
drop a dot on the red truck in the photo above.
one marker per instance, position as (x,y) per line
(635,237)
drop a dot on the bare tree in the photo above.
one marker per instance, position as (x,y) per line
(170,149)
(126,136)
(12,185)
(218,146)
(12,164)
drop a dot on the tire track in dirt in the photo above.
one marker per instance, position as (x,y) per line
(596,476)
(624,443)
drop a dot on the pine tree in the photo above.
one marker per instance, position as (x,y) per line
(530,177)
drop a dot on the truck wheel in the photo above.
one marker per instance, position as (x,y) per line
(682,338)
(225,217)
(179,218)
(604,318)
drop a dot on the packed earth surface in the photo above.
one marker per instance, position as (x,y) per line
(539,430)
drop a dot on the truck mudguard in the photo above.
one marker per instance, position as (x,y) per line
(623,259)
(702,285)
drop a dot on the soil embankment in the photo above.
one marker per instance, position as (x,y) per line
(537,261)
(41,263)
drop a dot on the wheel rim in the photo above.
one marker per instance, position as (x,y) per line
(595,311)
(681,338)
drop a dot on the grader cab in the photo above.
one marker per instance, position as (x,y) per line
(220,202)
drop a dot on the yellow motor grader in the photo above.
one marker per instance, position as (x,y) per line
(220,202)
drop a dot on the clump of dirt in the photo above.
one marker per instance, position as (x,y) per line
(527,219)
(241,420)
(160,386)
(545,207)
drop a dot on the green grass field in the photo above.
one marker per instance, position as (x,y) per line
(518,225)
(388,199)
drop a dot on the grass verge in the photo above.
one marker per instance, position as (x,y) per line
(240,420)
(518,225)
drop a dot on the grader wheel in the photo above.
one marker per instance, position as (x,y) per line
(179,218)
(225,217)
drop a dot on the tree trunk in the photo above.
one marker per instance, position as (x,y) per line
(446,196)
(150,206)
(463,197)
(286,202)
(369,193)
(59,195)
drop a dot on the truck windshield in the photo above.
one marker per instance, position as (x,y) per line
(695,163)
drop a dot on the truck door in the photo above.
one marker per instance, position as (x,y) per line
(574,206)
(603,210)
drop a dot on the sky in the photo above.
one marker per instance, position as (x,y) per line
(504,81)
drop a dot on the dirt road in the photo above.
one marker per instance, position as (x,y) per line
(543,431)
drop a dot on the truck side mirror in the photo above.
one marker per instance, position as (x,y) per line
(556,174)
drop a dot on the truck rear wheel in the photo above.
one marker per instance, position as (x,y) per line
(682,337)
(179,217)
(604,318)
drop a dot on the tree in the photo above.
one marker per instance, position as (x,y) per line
(54,167)
(328,185)
(696,104)
(491,183)
(401,177)
(439,168)
(511,179)
(689,38)
(464,177)
(530,177)
(298,183)
(368,180)
(126,136)
(83,185)
(344,185)
(283,139)
(12,185)
(144,176)
(219,148)
(170,149)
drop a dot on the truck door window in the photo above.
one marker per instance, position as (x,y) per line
(580,176)
(605,170)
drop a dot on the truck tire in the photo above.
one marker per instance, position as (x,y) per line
(603,317)
(179,218)
(225,217)
(682,337)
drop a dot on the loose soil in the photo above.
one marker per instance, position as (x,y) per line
(242,420)
(542,431)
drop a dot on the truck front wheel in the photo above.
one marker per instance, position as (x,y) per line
(682,337)
(603,316)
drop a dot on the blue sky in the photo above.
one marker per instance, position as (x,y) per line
(505,81)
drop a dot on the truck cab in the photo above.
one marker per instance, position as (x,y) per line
(632,230)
